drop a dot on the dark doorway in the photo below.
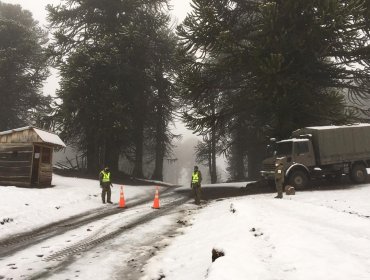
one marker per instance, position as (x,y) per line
(35,165)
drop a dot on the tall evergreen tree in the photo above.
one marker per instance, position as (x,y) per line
(279,65)
(113,59)
(23,66)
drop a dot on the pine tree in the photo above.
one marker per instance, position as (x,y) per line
(113,58)
(276,65)
(23,66)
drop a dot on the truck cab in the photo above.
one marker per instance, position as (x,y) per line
(298,158)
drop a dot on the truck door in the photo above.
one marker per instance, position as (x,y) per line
(303,153)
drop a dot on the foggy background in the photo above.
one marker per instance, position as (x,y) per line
(177,166)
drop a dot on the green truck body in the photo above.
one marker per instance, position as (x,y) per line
(336,144)
(322,152)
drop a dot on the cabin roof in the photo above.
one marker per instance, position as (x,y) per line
(340,126)
(45,136)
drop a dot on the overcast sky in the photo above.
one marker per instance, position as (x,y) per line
(37,7)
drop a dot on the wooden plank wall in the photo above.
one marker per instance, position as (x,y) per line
(45,174)
(24,136)
(45,169)
(15,163)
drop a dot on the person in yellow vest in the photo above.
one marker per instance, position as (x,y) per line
(105,183)
(196,180)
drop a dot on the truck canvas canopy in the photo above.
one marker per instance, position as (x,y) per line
(335,144)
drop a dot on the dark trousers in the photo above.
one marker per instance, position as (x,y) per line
(197,192)
(279,187)
(105,191)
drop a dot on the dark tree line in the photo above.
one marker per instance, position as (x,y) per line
(23,68)
(240,71)
(272,66)
(116,64)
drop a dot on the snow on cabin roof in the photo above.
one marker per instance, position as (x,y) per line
(341,126)
(49,137)
(45,136)
(293,140)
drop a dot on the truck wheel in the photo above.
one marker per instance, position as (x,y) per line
(298,179)
(358,174)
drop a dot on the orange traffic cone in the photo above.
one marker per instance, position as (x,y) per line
(156,200)
(121,199)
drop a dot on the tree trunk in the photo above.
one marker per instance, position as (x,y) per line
(160,143)
(255,157)
(92,155)
(209,152)
(139,136)
(112,153)
(237,158)
(213,154)
(139,151)
(159,146)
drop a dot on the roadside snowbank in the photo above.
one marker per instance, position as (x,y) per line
(312,235)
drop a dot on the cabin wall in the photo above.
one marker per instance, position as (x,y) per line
(24,136)
(15,164)
(46,167)
(25,159)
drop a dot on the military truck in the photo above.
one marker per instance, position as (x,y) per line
(321,152)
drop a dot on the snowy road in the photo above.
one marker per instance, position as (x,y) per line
(104,240)
(41,253)
(322,233)
(23,240)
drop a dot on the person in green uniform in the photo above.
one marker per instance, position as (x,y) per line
(279,178)
(105,183)
(196,180)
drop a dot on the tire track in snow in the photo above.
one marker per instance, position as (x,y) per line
(65,256)
(22,241)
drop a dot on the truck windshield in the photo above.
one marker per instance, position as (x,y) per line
(270,149)
(284,148)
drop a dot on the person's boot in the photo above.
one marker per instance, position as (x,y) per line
(278,196)
(109,198)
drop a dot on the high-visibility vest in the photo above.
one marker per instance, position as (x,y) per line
(106,176)
(195,177)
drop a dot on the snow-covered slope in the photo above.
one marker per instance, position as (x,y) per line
(312,235)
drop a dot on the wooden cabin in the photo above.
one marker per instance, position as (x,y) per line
(26,156)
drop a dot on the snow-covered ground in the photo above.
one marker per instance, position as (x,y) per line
(312,235)
(316,234)
(24,209)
